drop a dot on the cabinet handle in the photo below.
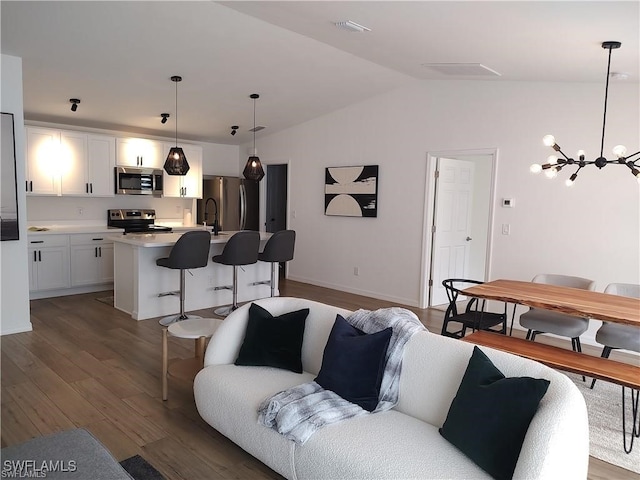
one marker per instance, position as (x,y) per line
(31,185)
(100,250)
(86,188)
(26,185)
(97,239)
(35,258)
(91,187)
(39,255)
(36,241)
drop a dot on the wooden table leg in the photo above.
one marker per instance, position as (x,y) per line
(165,362)
(200,349)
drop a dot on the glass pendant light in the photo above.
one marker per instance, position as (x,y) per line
(176,162)
(253,169)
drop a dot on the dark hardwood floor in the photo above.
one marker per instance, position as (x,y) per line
(88,365)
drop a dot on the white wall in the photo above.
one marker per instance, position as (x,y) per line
(14,280)
(590,230)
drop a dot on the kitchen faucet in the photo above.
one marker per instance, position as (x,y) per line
(216,226)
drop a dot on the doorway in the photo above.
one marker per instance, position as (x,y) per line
(458,218)
(276,199)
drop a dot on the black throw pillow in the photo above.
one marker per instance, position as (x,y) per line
(353,363)
(489,416)
(273,341)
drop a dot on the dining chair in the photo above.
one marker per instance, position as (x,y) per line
(473,316)
(538,320)
(617,335)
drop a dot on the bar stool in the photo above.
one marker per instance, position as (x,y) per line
(241,249)
(279,248)
(190,251)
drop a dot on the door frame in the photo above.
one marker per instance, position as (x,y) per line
(428,214)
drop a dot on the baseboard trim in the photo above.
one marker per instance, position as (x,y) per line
(365,293)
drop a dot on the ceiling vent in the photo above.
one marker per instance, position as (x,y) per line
(352,26)
(462,69)
(257,128)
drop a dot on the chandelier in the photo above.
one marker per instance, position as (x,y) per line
(555,164)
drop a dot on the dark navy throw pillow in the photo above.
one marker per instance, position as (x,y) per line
(353,363)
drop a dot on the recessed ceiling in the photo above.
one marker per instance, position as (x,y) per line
(118,57)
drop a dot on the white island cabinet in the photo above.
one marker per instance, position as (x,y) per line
(138,280)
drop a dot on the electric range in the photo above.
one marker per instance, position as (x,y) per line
(135,220)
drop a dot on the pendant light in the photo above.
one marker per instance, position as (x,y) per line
(253,169)
(176,162)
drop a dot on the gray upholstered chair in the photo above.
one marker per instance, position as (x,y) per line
(241,249)
(538,320)
(190,251)
(279,248)
(616,335)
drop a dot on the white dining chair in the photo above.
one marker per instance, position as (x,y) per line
(538,320)
(615,335)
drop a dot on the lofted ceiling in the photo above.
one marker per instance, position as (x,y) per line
(118,57)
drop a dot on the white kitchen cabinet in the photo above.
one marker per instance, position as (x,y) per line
(66,162)
(91,259)
(101,161)
(189,185)
(48,262)
(73,163)
(139,152)
(42,161)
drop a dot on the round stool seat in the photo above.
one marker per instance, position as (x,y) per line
(194,328)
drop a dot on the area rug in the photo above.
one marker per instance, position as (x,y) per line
(107,300)
(604,406)
(140,469)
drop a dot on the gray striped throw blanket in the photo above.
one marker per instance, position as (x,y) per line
(299,411)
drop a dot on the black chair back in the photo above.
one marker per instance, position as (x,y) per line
(241,249)
(190,251)
(279,247)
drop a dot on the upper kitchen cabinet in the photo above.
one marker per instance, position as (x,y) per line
(189,185)
(42,169)
(139,152)
(87,163)
(63,162)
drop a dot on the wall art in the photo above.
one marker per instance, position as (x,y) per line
(8,182)
(351,191)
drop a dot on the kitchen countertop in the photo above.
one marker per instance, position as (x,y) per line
(71,229)
(169,239)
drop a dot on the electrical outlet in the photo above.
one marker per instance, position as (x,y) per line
(356,271)
(80,211)
(506,229)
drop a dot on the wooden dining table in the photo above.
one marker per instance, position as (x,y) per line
(572,301)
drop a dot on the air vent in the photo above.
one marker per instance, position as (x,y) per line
(352,26)
(257,129)
(462,69)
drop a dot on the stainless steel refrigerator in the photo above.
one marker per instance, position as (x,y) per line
(237,199)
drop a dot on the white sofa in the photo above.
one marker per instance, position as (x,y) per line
(401,443)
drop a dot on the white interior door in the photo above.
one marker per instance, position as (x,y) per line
(452,224)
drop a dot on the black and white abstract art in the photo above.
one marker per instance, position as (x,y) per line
(351,191)
(8,188)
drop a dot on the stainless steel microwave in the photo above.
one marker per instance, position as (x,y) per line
(138,181)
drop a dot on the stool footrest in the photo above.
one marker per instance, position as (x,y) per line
(167,294)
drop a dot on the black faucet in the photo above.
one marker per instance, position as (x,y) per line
(216,226)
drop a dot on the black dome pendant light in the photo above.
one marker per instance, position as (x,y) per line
(253,169)
(176,162)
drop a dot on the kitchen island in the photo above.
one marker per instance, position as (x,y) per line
(138,280)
